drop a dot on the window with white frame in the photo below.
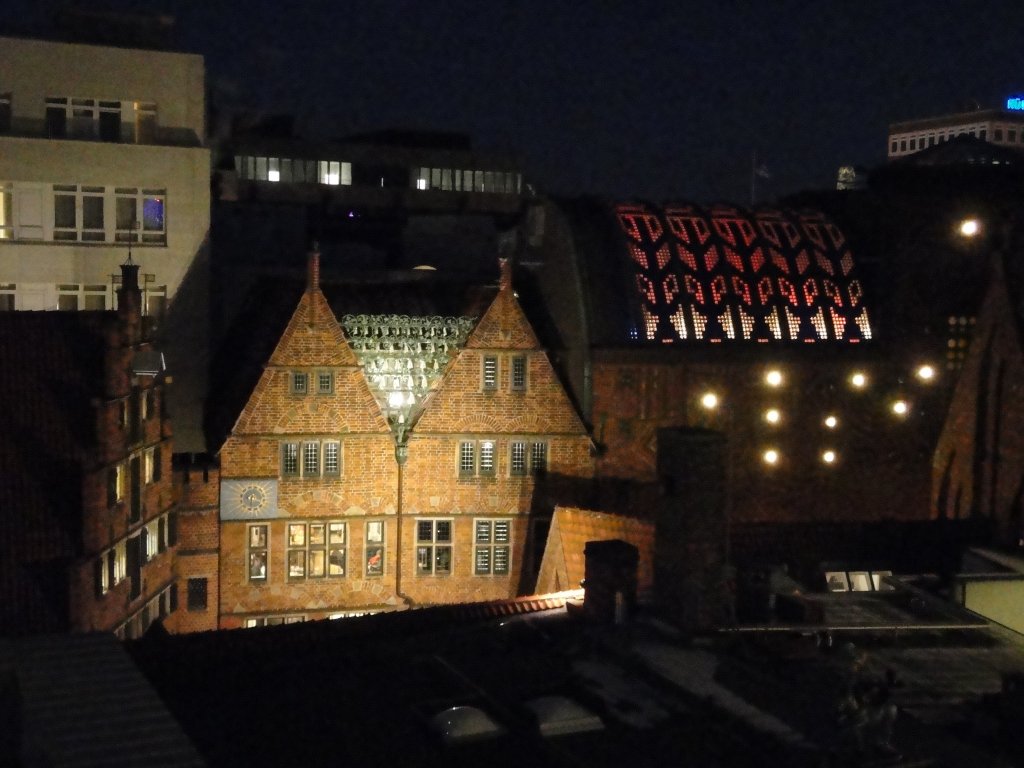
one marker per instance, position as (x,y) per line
(257,552)
(492,541)
(518,373)
(526,457)
(78,213)
(433,547)
(489,379)
(478,458)
(290,459)
(140,215)
(273,621)
(73,296)
(539,458)
(332,458)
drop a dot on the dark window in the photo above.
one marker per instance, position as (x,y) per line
(172,529)
(197,594)
(519,373)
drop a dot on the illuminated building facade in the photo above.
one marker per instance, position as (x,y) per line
(87,514)
(384,460)
(97,158)
(1002,127)
(755,323)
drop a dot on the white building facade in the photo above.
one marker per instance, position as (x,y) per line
(1002,127)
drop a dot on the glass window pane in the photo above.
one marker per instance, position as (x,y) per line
(337,533)
(444,530)
(125,212)
(317,562)
(92,212)
(64,211)
(336,561)
(296,535)
(317,534)
(153,214)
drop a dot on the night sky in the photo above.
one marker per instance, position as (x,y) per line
(640,99)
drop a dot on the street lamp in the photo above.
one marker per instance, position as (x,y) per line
(969,227)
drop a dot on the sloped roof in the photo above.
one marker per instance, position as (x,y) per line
(685,274)
(51,369)
(259,326)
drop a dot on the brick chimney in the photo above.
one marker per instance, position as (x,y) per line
(313,269)
(505,279)
(129,302)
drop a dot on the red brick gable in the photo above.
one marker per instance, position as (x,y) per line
(312,340)
(461,404)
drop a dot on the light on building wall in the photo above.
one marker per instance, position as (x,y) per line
(709,400)
(831,421)
(772,416)
(925,373)
(829,456)
(770,456)
(900,407)
(859,380)
(396,399)
(773,378)
(273,175)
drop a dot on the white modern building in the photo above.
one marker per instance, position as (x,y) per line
(1003,127)
(101,154)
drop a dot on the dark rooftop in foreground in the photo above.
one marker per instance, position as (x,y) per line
(364,691)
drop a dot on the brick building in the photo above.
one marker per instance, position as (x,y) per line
(87,528)
(380,460)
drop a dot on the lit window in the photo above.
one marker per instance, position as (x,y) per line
(492,547)
(273,169)
(196,591)
(433,547)
(773,378)
(257,553)
(296,550)
(374,547)
(490,373)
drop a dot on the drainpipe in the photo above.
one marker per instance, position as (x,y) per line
(401,456)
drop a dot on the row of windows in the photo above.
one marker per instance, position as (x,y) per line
(916,143)
(466,180)
(494,367)
(311,459)
(69,297)
(479,458)
(148,465)
(160,606)
(106,120)
(115,564)
(82,213)
(317,550)
(289,170)
(303,382)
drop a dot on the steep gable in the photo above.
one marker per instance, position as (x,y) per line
(312,341)
(461,403)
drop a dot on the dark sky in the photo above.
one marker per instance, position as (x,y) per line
(633,99)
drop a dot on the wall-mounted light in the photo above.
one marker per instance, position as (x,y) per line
(969,227)
(900,407)
(925,372)
(709,400)
(831,421)
(772,416)
(828,456)
(773,378)
(858,380)
(770,457)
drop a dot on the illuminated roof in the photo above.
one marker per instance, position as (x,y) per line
(724,274)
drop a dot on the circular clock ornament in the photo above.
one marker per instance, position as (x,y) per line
(252,498)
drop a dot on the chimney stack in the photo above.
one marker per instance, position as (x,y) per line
(505,279)
(313,269)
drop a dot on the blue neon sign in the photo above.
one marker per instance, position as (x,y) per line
(1015,103)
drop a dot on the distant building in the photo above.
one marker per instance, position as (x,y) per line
(87,520)
(1002,127)
(102,151)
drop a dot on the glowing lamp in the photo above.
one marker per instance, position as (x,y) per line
(396,399)
(925,373)
(773,378)
(859,380)
(273,175)
(771,456)
(969,227)
(829,457)
(709,401)
(900,407)
(831,421)
(772,416)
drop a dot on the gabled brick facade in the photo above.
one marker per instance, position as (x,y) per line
(327,506)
